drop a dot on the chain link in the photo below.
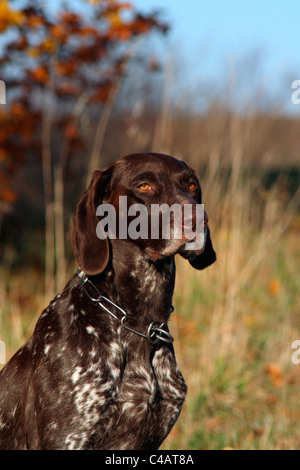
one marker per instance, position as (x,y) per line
(155,330)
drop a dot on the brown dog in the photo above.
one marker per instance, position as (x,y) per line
(99,371)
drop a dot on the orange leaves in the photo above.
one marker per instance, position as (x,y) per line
(275,373)
(35,21)
(33,52)
(9,17)
(116,6)
(101,95)
(48,46)
(7,195)
(71,19)
(274,286)
(118,28)
(125,30)
(68,88)
(40,74)
(72,56)
(114,19)
(65,69)
(122,33)
(57,31)
(3,154)
(16,121)
(71,132)
(65,47)
(17,110)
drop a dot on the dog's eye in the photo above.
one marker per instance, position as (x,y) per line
(145,187)
(192,186)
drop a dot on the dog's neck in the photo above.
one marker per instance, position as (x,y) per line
(131,274)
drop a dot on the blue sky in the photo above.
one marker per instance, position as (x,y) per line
(210,38)
(213,33)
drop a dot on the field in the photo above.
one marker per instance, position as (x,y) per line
(234,329)
(235,324)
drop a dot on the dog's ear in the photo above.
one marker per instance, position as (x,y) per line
(207,257)
(92,253)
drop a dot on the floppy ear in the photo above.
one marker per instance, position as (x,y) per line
(92,254)
(207,257)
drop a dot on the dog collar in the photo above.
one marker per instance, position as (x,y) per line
(155,331)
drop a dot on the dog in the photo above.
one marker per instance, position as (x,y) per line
(99,371)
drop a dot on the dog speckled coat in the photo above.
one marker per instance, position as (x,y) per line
(85,380)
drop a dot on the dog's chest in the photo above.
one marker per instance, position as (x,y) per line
(150,400)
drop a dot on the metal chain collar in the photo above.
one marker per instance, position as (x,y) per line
(155,330)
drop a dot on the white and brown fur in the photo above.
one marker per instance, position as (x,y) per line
(82,381)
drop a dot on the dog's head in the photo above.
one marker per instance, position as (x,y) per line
(143,198)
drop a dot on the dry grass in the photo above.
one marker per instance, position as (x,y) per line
(234,326)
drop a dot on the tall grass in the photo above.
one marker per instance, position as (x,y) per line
(234,323)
